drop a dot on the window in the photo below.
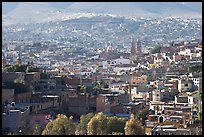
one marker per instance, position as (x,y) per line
(186,85)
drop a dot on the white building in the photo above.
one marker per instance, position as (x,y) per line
(185,85)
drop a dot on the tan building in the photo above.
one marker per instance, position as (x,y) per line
(141,79)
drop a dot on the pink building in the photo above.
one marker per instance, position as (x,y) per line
(177,58)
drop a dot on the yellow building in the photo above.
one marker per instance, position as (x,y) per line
(141,79)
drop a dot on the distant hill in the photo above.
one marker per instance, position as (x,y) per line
(27,12)
(138,9)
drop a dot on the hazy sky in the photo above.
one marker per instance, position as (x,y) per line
(8,6)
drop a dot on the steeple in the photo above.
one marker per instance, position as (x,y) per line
(18,61)
(135,49)
(4,63)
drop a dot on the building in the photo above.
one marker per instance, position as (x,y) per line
(11,76)
(7,95)
(18,60)
(104,102)
(4,62)
(169,130)
(136,50)
(14,119)
(185,85)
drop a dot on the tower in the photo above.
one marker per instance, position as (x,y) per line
(135,50)
(3,60)
(18,61)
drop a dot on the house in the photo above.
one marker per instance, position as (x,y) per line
(138,79)
(32,77)
(11,76)
(104,102)
(45,85)
(14,119)
(81,104)
(169,130)
(185,85)
(22,97)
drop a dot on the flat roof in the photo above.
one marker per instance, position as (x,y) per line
(50,96)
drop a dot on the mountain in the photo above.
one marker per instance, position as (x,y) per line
(138,9)
(27,12)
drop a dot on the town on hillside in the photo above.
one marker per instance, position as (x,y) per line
(162,87)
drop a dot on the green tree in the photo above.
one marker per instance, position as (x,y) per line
(34,129)
(82,126)
(98,125)
(32,69)
(142,115)
(44,75)
(116,125)
(15,68)
(200,116)
(60,126)
(117,133)
(195,68)
(157,49)
(37,44)
(133,127)
(83,89)
(19,86)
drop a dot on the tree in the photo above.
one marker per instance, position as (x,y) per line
(96,87)
(83,89)
(82,126)
(32,69)
(142,115)
(98,125)
(44,75)
(60,126)
(15,68)
(133,127)
(35,129)
(36,44)
(157,49)
(195,68)
(116,125)
(19,86)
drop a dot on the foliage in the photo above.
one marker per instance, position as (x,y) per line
(200,116)
(19,86)
(98,125)
(60,126)
(117,133)
(142,115)
(96,86)
(116,125)
(44,76)
(133,127)
(157,49)
(35,129)
(15,68)
(83,89)
(37,44)
(82,126)
(197,68)
(32,69)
